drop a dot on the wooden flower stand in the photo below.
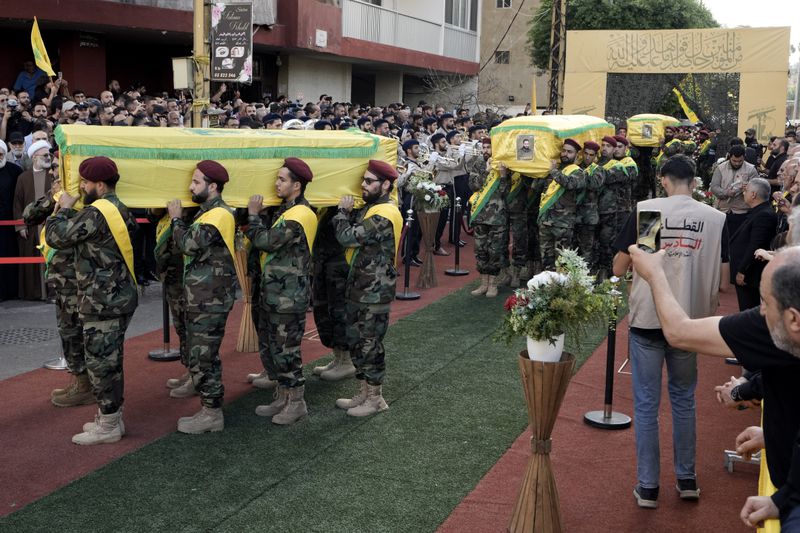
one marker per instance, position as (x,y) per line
(537,508)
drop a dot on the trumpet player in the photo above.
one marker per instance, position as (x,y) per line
(446,168)
(408,165)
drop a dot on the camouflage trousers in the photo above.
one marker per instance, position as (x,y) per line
(606,232)
(103,341)
(518,235)
(71,332)
(204,333)
(279,338)
(552,239)
(585,241)
(366,327)
(329,304)
(489,248)
(534,250)
(176,299)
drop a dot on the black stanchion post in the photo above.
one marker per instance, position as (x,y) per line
(608,418)
(406,294)
(457,270)
(164,353)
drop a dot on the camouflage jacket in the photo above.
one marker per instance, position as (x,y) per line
(613,182)
(169,258)
(373,276)
(517,199)
(632,173)
(326,248)
(493,212)
(563,213)
(61,267)
(209,274)
(286,279)
(106,287)
(587,199)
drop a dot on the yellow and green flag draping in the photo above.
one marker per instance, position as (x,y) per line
(528,144)
(39,51)
(648,129)
(156,164)
(691,115)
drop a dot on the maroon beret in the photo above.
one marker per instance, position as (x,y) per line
(621,140)
(591,145)
(98,168)
(669,128)
(487,140)
(610,140)
(213,171)
(299,168)
(382,170)
(573,143)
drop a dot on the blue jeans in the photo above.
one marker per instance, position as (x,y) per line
(648,353)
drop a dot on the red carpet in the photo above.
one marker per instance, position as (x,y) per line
(596,469)
(37,453)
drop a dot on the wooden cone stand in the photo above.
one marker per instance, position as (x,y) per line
(427,272)
(545,384)
(248,338)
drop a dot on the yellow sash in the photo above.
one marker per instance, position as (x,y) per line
(765,486)
(479,198)
(222,219)
(554,191)
(118,229)
(47,251)
(303,215)
(163,230)
(516,182)
(388,211)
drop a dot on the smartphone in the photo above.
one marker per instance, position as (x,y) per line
(60,76)
(648,224)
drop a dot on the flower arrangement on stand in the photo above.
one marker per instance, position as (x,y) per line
(428,196)
(428,200)
(701,194)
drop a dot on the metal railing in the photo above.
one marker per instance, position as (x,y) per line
(380,25)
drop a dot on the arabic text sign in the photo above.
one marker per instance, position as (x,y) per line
(232,42)
(719,51)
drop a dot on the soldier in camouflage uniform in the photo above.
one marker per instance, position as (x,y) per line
(107,295)
(370,235)
(328,287)
(624,201)
(210,288)
(169,269)
(588,217)
(534,250)
(558,209)
(285,288)
(517,230)
(60,274)
(488,218)
(613,180)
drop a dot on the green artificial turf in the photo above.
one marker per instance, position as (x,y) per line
(456,407)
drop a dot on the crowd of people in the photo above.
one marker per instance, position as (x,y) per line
(726,220)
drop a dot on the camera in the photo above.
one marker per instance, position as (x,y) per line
(12,103)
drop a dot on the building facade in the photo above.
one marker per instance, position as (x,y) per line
(365,51)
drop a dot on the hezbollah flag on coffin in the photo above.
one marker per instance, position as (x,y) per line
(156,164)
(648,129)
(528,144)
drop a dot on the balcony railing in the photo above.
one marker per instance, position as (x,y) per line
(385,26)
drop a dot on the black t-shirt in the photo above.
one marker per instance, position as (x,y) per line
(747,335)
(630,233)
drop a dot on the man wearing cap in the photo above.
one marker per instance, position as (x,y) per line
(210,284)
(16,151)
(613,179)
(285,255)
(32,184)
(273,121)
(624,200)
(558,206)
(100,235)
(371,236)
(411,152)
(587,216)
(488,217)
(447,166)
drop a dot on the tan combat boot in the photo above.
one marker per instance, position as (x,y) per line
(344,368)
(318,370)
(295,408)
(358,399)
(502,278)
(187,390)
(482,287)
(513,277)
(207,419)
(174,383)
(78,393)
(491,290)
(105,430)
(58,392)
(253,377)
(90,426)
(263,382)
(372,405)
(280,397)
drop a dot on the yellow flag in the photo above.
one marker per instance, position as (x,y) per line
(686,109)
(39,52)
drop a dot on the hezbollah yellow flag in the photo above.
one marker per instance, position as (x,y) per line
(39,51)
(691,115)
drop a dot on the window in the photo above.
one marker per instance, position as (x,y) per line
(503,4)
(502,57)
(462,13)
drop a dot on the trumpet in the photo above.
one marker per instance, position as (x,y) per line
(471,149)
